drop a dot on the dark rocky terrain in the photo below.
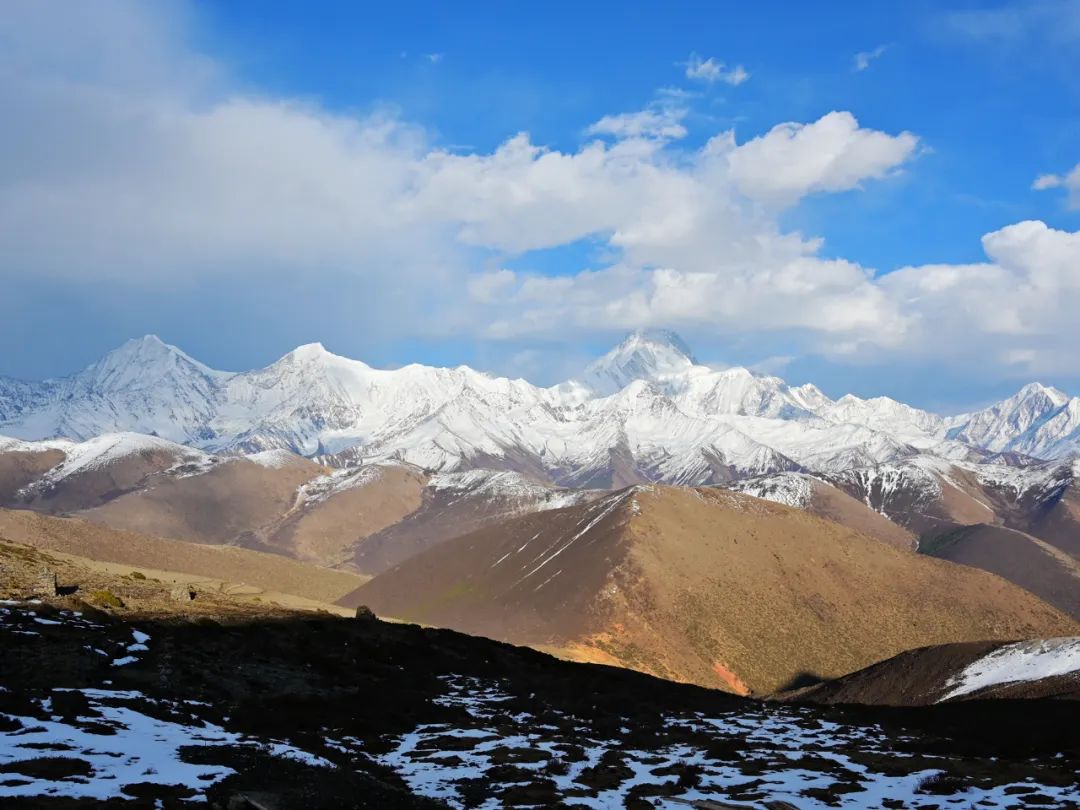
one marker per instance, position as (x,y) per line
(303,710)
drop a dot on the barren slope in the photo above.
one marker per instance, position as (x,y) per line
(455,504)
(21,467)
(104,544)
(230,503)
(703,585)
(828,501)
(1028,561)
(94,472)
(334,512)
(1058,522)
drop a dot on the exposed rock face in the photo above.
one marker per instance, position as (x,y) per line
(366,614)
(46,584)
(182,593)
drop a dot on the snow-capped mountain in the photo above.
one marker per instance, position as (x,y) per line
(1012,421)
(145,386)
(646,411)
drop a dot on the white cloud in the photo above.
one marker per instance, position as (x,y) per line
(129,160)
(657,122)
(832,154)
(434,58)
(863,59)
(1045,181)
(1070,182)
(1016,310)
(485,288)
(710,71)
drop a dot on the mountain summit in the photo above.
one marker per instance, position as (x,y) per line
(646,354)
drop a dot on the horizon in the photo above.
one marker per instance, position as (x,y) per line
(414,185)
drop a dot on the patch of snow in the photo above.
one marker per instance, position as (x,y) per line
(1013,663)
(323,487)
(273,459)
(790,489)
(140,749)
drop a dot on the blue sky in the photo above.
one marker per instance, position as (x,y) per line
(242,177)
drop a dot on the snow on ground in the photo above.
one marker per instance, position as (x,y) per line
(1022,661)
(135,749)
(791,489)
(272,459)
(111,447)
(119,738)
(99,452)
(121,745)
(785,753)
(323,487)
(505,484)
(10,445)
(1040,480)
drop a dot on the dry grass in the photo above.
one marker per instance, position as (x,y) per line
(705,586)
(177,560)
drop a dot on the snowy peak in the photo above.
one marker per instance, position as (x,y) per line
(651,355)
(646,405)
(1001,426)
(308,353)
(1038,390)
(142,363)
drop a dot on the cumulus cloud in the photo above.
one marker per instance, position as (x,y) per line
(711,71)
(1069,181)
(832,154)
(1017,309)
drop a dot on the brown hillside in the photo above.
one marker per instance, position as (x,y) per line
(19,468)
(836,505)
(1031,563)
(442,515)
(232,502)
(927,675)
(706,586)
(234,565)
(99,484)
(326,531)
(1059,522)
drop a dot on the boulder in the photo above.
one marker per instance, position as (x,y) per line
(182,593)
(46,584)
(366,614)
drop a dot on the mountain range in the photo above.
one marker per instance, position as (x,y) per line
(543,516)
(646,411)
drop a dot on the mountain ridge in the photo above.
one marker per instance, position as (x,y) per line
(645,411)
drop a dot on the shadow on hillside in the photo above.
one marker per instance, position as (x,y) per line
(801,680)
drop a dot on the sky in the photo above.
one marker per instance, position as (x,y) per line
(884,199)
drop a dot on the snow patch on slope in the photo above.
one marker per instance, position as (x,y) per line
(505,485)
(272,459)
(324,487)
(99,452)
(790,489)
(1014,663)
